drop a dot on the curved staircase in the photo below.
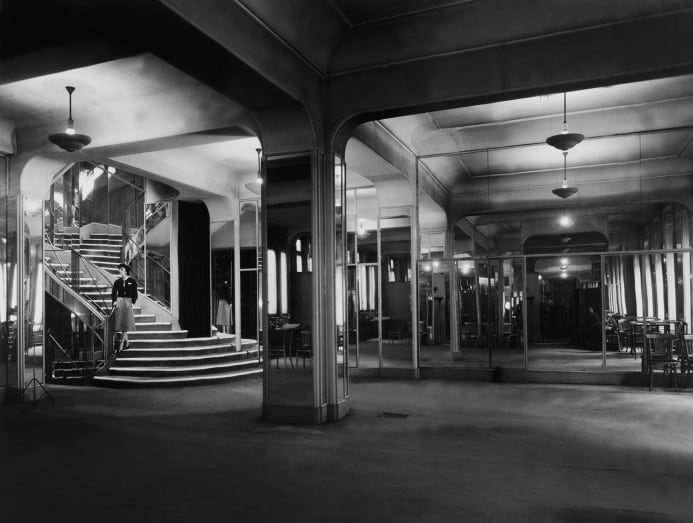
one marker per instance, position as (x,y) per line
(169,358)
(158,356)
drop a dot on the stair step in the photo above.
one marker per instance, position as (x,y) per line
(156,371)
(144,318)
(153,326)
(100,253)
(190,351)
(101,242)
(181,371)
(111,261)
(104,236)
(125,360)
(153,337)
(132,381)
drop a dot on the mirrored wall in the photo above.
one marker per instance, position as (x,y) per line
(288,266)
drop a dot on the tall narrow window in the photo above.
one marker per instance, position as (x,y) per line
(283,282)
(299,258)
(271,282)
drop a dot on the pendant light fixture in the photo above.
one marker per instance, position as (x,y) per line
(564,191)
(256,185)
(69,140)
(565,141)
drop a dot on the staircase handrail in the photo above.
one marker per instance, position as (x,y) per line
(134,248)
(93,308)
(128,252)
(83,262)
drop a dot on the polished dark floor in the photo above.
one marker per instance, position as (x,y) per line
(410,451)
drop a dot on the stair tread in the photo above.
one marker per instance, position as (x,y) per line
(189,348)
(186,358)
(183,368)
(179,379)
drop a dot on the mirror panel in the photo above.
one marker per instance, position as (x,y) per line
(223,284)
(289,275)
(395,274)
(249,272)
(340,278)
(33,301)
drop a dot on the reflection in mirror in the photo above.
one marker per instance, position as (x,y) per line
(223,233)
(434,313)
(362,273)
(490,313)
(340,277)
(289,276)
(249,277)
(394,271)
(157,252)
(33,303)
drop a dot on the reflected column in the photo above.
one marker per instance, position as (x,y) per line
(9,286)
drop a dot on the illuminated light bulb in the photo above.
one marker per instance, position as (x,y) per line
(565,221)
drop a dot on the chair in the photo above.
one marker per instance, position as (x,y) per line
(637,339)
(395,331)
(306,348)
(659,354)
(685,354)
(277,345)
(624,335)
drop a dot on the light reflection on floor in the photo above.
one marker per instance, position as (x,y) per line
(556,356)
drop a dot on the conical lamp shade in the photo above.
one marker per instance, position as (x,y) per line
(565,142)
(69,140)
(565,192)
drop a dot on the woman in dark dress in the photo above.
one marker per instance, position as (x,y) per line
(124,296)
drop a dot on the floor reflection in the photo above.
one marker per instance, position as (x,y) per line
(556,356)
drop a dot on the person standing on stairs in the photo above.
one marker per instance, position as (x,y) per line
(124,296)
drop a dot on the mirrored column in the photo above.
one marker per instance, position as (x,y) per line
(289,248)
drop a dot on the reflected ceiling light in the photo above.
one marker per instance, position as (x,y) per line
(539,277)
(69,140)
(565,221)
(565,141)
(564,191)
(256,185)
(564,261)
(564,275)
(259,166)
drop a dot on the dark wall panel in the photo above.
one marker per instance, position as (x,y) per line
(194,269)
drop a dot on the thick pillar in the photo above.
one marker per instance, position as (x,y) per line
(305,364)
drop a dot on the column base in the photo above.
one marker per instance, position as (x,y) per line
(305,415)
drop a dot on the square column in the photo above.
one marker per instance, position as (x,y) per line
(305,378)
